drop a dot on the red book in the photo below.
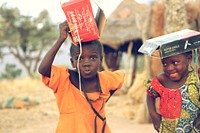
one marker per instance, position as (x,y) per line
(79,14)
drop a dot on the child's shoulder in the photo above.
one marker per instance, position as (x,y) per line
(112,73)
(161,77)
(61,67)
(158,78)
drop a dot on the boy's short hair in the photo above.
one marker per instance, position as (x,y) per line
(97,43)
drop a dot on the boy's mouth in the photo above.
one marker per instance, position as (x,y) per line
(87,71)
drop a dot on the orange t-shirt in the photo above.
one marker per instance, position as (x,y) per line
(76,115)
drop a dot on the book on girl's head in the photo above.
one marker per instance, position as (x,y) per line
(172,44)
(80,17)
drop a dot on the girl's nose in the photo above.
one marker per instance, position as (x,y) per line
(170,67)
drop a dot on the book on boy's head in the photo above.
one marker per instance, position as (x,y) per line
(171,44)
(81,21)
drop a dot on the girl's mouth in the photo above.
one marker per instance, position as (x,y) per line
(173,75)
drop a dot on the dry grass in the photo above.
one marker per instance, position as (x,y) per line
(34,90)
(25,87)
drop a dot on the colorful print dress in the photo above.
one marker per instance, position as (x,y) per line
(178,107)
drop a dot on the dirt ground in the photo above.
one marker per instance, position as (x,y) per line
(43,117)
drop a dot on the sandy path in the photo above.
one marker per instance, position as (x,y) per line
(117,125)
(120,125)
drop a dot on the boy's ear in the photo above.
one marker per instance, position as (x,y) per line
(72,62)
(101,58)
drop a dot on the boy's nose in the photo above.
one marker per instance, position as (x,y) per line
(86,61)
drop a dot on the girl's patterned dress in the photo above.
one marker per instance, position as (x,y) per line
(178,107)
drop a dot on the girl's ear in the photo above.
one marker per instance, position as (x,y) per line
(189,57)
(72,62)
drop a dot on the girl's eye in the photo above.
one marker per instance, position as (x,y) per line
(175,62)
(164,64)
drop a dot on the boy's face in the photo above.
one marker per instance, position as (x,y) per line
(176,67)
(90,60)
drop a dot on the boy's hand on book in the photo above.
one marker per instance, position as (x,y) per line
(64,30)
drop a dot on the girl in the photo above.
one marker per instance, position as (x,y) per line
(178,90)
(80,94)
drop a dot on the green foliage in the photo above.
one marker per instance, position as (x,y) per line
(11,72)
(25,37)
(37,76)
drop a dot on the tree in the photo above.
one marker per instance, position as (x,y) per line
(11,72)
(25,37)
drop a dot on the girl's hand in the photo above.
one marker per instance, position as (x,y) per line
(197,123)
(156,119)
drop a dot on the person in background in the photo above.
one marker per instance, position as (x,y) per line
(81,94)
(178,89)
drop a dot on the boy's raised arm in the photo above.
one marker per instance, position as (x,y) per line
(45,65)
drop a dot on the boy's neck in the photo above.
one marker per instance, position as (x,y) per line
(91,85)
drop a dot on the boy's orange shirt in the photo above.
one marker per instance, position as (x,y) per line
(76,115)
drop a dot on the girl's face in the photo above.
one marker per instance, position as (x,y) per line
(176,67)
(90,60)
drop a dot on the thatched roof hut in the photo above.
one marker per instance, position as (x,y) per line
(121,26)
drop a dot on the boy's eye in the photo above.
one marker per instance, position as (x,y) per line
(76,58)
(93,58)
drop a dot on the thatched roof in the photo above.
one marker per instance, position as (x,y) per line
(121,25)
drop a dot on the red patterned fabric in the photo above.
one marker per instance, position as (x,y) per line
(170,99)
